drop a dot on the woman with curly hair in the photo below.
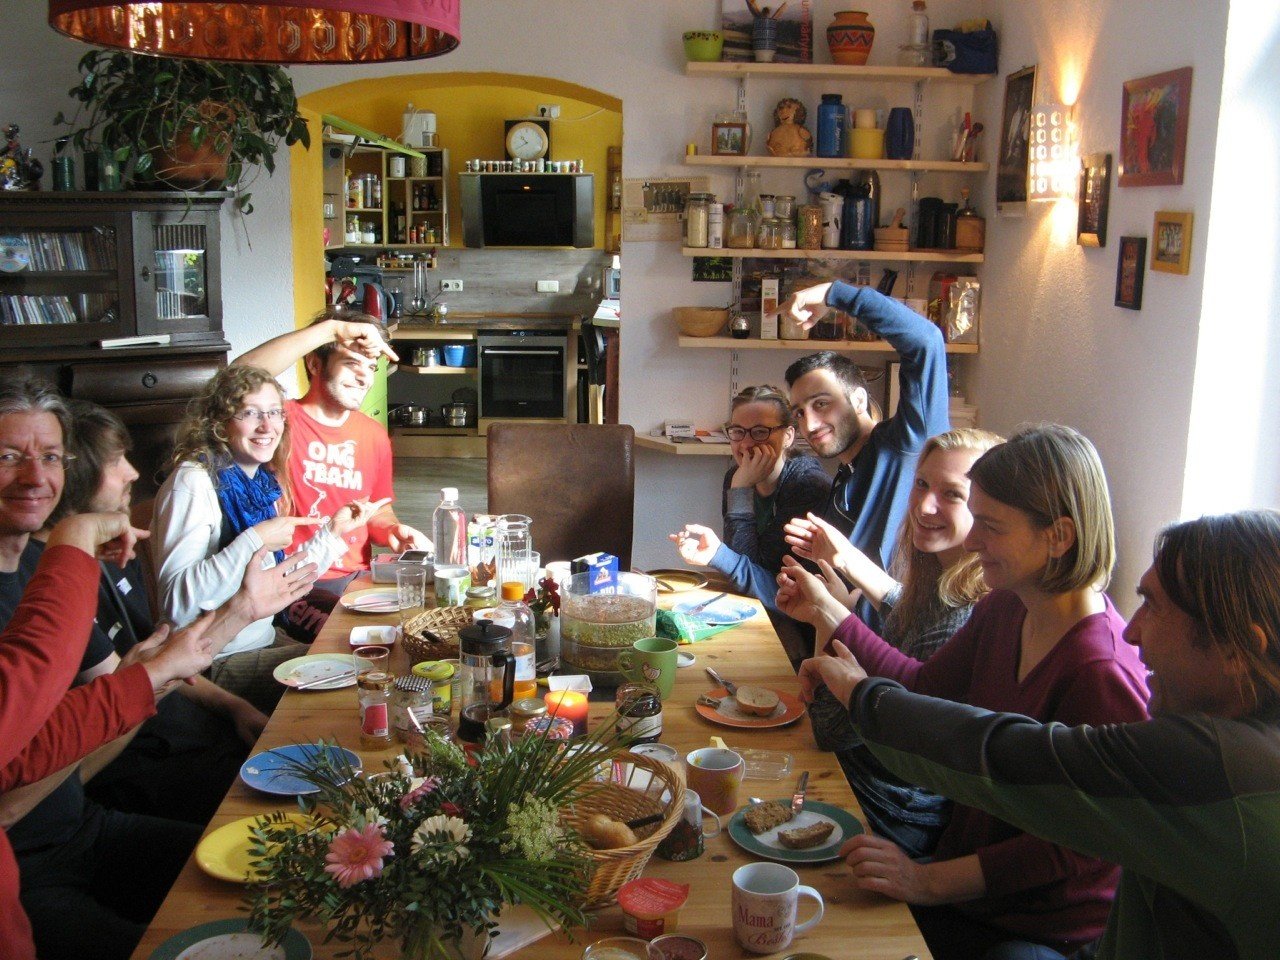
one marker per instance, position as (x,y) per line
(226,499)
(926,596)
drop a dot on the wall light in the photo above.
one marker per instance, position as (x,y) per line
(1053,165)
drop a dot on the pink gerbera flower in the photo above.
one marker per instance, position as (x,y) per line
(356,855)
(417,793)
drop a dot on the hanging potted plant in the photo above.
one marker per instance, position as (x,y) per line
(190,124)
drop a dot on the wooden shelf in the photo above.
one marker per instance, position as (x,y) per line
(436,370)
(908,256)
(408,331)
(835,163)
(363,209)
(844,346)
(664,445)
(835,71)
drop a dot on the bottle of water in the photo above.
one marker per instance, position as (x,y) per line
(449,530)
(919,24)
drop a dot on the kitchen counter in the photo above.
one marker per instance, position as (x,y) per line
(410,328)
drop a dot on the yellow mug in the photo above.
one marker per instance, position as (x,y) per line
(866,144)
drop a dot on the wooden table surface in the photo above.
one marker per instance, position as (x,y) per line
(856,924)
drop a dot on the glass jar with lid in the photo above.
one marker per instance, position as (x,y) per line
(411,705)
(784,206)
(770,234)
(696,213)
(809,227)
(740,228)
(481,598)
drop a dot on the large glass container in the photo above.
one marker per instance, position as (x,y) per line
(596,627)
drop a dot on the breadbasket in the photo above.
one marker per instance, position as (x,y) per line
(642,786)
(433,634)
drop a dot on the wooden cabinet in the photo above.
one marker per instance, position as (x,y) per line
(410,211)
(78,269)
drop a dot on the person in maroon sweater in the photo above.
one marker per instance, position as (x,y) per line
(1046,643)
(43,726)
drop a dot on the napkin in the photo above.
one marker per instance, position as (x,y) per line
(686,628)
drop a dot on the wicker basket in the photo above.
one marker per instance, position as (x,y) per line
(444,623)
(649,780)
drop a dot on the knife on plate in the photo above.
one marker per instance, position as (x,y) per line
(797,798)
(731,687)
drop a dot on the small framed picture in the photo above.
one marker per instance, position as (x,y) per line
(729,139)
(1131,265)
(1095,191)
(1172,250)
(1154,114)
(1015,141)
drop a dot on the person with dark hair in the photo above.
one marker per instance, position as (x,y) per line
(1188,803)
(767,485)
(1046,642)
(338,454)
(833,412)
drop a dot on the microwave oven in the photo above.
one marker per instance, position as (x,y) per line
(528,209)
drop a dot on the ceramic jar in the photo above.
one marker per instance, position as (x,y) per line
(850,36)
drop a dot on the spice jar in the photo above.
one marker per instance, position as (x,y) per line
(639,712)
(696,213)
(411,704)
(375,713)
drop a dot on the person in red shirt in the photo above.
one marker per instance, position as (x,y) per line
(338,454)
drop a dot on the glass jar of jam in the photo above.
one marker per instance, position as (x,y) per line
(481,598)
(411,705)
(639,712)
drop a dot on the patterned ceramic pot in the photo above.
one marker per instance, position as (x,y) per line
(850,36)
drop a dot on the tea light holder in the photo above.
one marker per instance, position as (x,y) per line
(570,705)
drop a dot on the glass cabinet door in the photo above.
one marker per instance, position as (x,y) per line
(63,280)
(177,272)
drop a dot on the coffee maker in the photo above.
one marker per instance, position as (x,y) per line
(487,670)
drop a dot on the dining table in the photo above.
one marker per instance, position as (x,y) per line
(856,924)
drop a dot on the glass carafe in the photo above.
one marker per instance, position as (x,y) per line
(515,549)
(487,670)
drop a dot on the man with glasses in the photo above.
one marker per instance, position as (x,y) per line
(833,412)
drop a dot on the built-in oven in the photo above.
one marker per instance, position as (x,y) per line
(522,375)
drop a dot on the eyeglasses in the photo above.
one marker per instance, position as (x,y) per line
(258,416)
(759,433)
(12,460)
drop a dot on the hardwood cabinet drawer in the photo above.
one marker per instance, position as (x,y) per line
(142,381)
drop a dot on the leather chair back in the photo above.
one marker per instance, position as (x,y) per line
(575,480)
(140,515)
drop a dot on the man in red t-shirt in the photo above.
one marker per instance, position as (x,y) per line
(337,454)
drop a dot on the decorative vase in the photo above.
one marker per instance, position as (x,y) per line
(764,39)
(183,164)
(900,134)
(850,36)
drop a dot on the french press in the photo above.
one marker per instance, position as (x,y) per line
(488,673)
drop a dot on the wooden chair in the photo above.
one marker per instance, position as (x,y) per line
(140,515)
(575,480)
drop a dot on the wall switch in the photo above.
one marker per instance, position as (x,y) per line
(450,286)
(549,110)
(548,286)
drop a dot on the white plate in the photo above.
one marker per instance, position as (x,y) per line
(372,600)
(340,666)
(374,636)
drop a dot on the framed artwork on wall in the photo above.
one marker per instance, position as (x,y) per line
(1015,136)
(1130,267)
(1172,250)
(1094,194)
(729,138)
(1154,115)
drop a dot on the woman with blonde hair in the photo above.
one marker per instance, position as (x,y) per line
(764,488)
(926,597)
(226,499)
(1047,643)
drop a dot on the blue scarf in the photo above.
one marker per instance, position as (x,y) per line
(248,500)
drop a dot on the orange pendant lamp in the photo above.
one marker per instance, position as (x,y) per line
(267,31)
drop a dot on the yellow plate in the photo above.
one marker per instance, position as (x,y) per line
(224,854)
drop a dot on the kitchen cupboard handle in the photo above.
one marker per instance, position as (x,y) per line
(490,352)
(146,273)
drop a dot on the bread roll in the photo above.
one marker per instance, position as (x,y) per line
(757,701)
(605,833)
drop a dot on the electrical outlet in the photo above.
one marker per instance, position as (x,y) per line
(450,286)
(549,110)
(548,286)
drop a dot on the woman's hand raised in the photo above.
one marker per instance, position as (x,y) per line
(277,533)
(697,544)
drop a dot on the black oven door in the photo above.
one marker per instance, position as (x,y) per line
(522,377)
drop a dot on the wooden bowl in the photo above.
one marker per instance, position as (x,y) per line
(700,321)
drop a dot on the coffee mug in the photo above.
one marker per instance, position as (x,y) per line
(715,774)
(684,842)
(653,661)
(765,896)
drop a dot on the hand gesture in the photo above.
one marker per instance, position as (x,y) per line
(697,544)
(880,866)
(277,533)
(268,590)
(364,339)
(840,671)
(802,596)
(756,466)
(812,538)
(107,536)
(806,307)
(403,537)
(353,515)
(179,657)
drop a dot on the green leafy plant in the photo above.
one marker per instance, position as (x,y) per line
(430,852)
(141,108)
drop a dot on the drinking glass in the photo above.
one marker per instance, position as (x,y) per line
(371,660)
(411,592)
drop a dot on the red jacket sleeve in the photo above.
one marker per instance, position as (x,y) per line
(41,648)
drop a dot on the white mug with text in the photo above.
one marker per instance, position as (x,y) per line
(765,896)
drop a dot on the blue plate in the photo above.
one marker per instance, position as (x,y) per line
(721,613)
(220,939)
(275,771)
(768,846)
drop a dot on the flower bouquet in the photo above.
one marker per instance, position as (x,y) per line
(431,851)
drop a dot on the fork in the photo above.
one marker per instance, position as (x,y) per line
(699,607)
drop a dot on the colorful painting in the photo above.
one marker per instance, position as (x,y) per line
(1015,138)
(1172,250)
(1153,135)
(1130,268)
(795,29)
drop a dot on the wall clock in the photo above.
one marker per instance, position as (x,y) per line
(528,139)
